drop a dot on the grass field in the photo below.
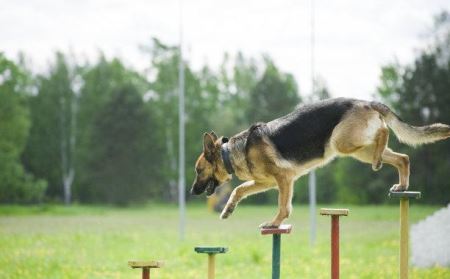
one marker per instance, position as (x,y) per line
(97,242)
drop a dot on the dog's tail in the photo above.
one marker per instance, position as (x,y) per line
(411,135)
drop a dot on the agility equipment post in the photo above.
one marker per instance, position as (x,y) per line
(334,213)
(211,251)
(276,246)
(146,266)
(404,228)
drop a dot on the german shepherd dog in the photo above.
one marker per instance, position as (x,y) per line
(275,154)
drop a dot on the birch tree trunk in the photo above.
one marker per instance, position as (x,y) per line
(68,141)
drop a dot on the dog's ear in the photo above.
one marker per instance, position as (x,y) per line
(213,135)
(208,146)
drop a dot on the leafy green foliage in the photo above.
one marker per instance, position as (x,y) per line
(120,166)
(50,118)
(15,184)
(274,95)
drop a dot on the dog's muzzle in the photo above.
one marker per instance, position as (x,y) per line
(209,187)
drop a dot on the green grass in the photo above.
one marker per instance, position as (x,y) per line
(97,242)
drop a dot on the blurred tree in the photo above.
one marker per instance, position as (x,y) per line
(236,78)
(50,147)
(274,95)
(15,184)
(98,84)
(164,95)
(122,166)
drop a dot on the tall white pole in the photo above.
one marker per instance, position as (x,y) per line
(181,155)
(312,175)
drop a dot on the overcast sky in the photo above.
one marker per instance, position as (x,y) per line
(353,37)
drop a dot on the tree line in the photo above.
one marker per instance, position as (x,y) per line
(102,132)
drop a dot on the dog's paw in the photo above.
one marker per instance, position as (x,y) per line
(227,211)
(268,225)
(398,188)
(376,166)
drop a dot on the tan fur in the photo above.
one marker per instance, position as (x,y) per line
(362,134)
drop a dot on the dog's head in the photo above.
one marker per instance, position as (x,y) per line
(209,168)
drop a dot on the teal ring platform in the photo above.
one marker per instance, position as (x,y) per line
(211,250)
(405,195)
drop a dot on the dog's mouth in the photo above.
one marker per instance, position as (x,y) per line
(210,188)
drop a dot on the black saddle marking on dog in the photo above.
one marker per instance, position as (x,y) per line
(302,135)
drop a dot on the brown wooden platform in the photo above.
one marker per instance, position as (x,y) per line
(334,211)
(282,229)
(145,264)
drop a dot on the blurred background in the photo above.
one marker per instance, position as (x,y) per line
(89,105)
(89,89)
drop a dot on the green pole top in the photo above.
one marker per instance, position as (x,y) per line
(211,250)
(405,195)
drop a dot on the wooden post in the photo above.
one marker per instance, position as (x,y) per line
(404,237)
(334,213)
(276,246)
(146,273)
(211,266)
(404,229)
(335,247)
(211,251)
(145,266)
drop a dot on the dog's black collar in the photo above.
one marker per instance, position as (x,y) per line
(225,150)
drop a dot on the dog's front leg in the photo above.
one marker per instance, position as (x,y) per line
(285,187)
(245,189)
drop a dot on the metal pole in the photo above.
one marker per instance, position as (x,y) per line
(312,175)
(276,243)
(335,247)
(181,159)
(404,237)
(211,266)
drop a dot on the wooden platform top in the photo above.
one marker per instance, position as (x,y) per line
(282,229)
(211,250)
(405,195)
(334,211)
(142,264)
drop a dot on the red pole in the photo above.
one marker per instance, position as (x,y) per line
(145,273)
(335,247)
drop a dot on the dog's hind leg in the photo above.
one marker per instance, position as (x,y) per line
(401,162)
(381,140)
(242,191)
(285,187)
(398,160)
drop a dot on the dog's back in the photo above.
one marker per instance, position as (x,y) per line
(303,134)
